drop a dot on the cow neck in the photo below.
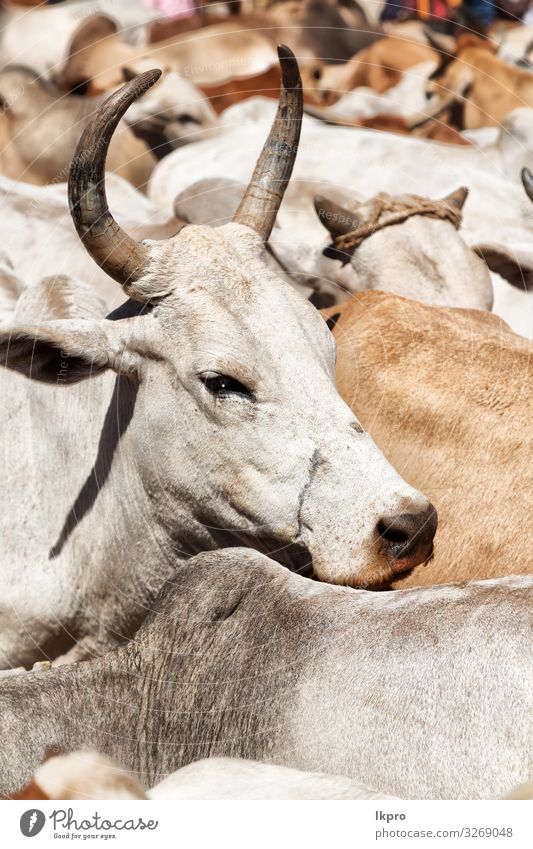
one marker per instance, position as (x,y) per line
(385,211)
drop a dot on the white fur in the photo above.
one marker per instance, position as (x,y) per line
(88,775)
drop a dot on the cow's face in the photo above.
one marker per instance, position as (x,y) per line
(238,432)
(172,113)
(237,420)
(419,257)
(238,413)
(453,84)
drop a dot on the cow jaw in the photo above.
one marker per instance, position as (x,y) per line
(280,461)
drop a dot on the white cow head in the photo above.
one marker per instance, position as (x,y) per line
(422,257)
(237,425)
(171,113)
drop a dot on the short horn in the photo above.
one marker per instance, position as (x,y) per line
(120,256)
(457,198)
(261,201)
(336,219)
(527,182)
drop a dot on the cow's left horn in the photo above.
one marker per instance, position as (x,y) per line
(261,201)
(118,254)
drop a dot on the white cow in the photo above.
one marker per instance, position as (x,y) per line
(360,161)
(38,234)
(497,218)
(201,413)
(406,99)
(424,693)
(89,775)
(41,37)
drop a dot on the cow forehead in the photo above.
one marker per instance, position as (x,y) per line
(221,276)
(229,264)
(224,254)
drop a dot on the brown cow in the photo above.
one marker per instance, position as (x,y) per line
(310,27)
(447,396)
(379,66)
(216,53)
(486,86)
(226,93)
(39,131)
(426,127)
(227,61)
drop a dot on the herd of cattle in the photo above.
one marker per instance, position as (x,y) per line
(267,405)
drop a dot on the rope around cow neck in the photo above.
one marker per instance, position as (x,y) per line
(385,211)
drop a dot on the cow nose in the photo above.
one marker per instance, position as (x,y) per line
(407,539)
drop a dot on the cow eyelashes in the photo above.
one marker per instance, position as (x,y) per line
(223,386)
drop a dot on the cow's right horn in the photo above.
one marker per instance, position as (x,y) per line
(120,256)
(262,198)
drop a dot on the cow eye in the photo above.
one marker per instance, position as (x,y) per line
(223,386)
(185,118)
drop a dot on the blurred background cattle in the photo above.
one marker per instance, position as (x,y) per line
(408,222)
(377,78)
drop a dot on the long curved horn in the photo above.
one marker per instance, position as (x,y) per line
(261,201)
(527,182)
(118,254)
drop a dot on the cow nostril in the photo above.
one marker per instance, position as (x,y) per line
(392,534)
(408,537)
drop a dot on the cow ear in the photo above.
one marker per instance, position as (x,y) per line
(72,76)
(457,198)
(513,265)
(128,74)
(66,352)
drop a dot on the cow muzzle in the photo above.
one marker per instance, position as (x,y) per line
(406,540)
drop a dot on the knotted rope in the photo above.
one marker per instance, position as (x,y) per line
(385,211)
